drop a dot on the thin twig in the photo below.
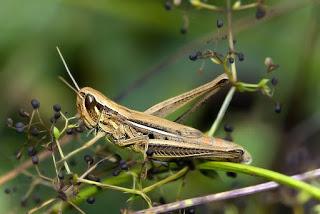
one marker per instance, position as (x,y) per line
(42,205)
(27,164)
(240,25)
(227,194)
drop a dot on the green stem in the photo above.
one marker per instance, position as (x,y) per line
(170,178)
(222,111)
(268,174)
(202,5)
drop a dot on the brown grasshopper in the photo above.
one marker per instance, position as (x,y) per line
(148,132)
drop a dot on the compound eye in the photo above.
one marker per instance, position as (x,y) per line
(89,101)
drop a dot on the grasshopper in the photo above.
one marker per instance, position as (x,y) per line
(149,132)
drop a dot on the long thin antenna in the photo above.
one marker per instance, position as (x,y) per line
(65,82)
(66,66)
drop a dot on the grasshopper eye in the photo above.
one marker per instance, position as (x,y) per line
(89,101)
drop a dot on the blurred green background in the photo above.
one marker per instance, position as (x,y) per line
(133,51)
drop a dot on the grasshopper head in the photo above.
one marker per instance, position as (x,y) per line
(90,106)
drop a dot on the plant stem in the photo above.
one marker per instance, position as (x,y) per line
(232,90)
(227,194)
(222,111)
(173,177)
(265,173)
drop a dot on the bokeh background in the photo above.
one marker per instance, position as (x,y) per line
(133,51)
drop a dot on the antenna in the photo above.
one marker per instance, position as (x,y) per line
(66,66)
(65,82)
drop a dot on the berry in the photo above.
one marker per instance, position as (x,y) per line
(61,175)
(20,127)
(7,190)
(260,13)
(194,56)
(34,131)
(69,131)
(149,152)
(168,5)
(240,56)
(56,108)
(35,103)
(228,128)
(91,200)
(219,23)
(31,151)
(183,30)
(88,159)
(277,107)
(122,162)
(124,166)
(35,159)
(274,81)
(231,60)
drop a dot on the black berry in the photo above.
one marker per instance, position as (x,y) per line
(277,107)
(219,23)
(34,131)
(35,159)
(231,60)
(35,103)
(20,127)
(88,159)
(7,190)
(69,131)
(260,13)
(168,5)
(228,128)
(61,175)
(183,30)
(149,152)
(274,81)
(194,56)
(124,166)
(240,56)
(56,107)
(31,151)
(91,200)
